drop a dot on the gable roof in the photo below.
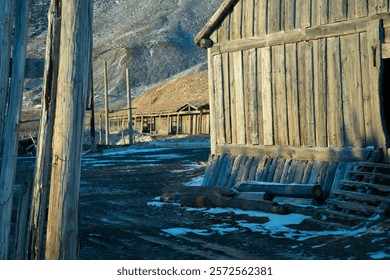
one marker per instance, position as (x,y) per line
(215,20)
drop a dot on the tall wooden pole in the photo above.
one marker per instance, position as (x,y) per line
(130,114)
(107,117)
(92,120)
(45,137)
(73,79)
(6,22)
(11,129)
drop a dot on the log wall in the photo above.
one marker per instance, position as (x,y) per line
(299,73)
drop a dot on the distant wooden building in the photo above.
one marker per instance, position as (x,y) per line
(299,90)
(179,106)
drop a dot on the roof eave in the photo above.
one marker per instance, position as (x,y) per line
(215,20)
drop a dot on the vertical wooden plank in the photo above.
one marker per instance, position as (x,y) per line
(289,14)
(260,97)
(228,171)
(240,98)
(236,22)
(219,100)
(352,91)
(280,97)
(213,133)
(220,170)
(337,10)
(247,92)
(260,169)
(365,80)
(375,64)
(224,30)
(253,107)
(305,91)
(261,17)
(273,163)
(235,169)
(303,14)
(11,126)
(286,171)
(6,23)
(252,172)
(280,166)
(248,18)
(106,105)
(361,8)
(266,94)
(320,12)
(351,8)
(299,172)
(232,99)
(330,175)
(334,102)
(320,92)
(274,16)
(292,95)
(227,100)
(307,172)
(378,6)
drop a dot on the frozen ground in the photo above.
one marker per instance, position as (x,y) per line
(121,216)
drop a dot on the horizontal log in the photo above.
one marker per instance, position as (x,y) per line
(174,193)
(335,29)
(215,201)
(378,187)
(279,189)
(361,196)
(366,209)
(370,175)
(374,165)
(298,153)
(344,216)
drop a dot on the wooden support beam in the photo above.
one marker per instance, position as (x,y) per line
(106,105)
(11,129)
(74,65)
(130,114)
(6,23)
(298,153)
(41,184)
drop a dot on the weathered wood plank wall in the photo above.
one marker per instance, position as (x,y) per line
(271,88)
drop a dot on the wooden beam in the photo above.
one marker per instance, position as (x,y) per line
(11,129)
(298,153)
(130,115)
(6,23)
(41,184)
(74,65)
(106,109)
(324,31)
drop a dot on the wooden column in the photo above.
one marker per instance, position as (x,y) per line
(130,114)
(107,117)
(11,129)
(43,162)
(74,67)
(6,20)
(100,129)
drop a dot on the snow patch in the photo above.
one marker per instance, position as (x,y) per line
(184,231)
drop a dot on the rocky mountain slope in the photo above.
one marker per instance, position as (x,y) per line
(154,38)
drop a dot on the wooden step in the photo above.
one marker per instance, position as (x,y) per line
(367,209)
(378,187)
(344,216)
(370,175)
(374,165)
(361,196)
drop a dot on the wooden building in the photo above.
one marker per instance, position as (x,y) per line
(179,106)
(299,90)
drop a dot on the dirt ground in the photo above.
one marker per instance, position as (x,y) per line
(121,218)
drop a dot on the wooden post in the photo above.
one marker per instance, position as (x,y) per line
(131,140)
(11,129)
(6,22)
(106,105)
(73,77)
(100,129)
(21,234)
(92,103)
(43,161)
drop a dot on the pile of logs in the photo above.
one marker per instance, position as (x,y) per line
(263,193)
